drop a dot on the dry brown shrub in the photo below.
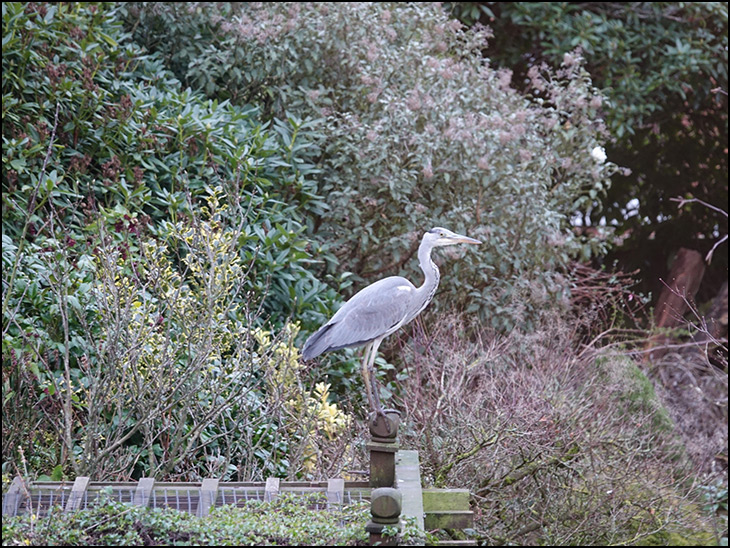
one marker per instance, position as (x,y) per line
(558,446)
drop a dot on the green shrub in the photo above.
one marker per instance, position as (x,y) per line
(420,131)
(163,371)
(107,158)
(664,68)
(286,521)
(128,137)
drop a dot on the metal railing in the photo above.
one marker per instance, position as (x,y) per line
(196,498)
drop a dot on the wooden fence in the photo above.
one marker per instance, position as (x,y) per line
(394,490)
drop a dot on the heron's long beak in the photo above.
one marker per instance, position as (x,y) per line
(458,238)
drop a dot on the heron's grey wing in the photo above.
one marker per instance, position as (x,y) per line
(374,312)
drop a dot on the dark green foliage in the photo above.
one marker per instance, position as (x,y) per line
(644,54)
(128,138)
(664,68)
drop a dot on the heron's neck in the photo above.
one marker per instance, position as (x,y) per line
(431,274)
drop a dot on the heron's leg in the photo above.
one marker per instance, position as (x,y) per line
(373,380)
(366,375)
(377,407)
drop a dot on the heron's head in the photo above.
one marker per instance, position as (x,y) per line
(441,236)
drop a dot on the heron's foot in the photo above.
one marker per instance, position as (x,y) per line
(380,415)
(384,423)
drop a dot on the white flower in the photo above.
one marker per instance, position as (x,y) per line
(599,154)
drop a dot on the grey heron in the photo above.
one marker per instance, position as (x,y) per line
(379,310)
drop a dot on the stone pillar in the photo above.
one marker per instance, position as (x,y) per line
(383,447)
(385,509)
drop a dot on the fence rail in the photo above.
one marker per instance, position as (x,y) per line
(193,497)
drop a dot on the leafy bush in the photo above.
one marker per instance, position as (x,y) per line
(107,165)
(288,520)
(174,378)
(127,137)
(645,55)
(420,131)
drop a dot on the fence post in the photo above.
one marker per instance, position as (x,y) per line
(208,494)
(272,489)
(143,493)
(385,508)
(78,491)
(335,493)
(14,497)
(385,501)
(408,478)
(383,447)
